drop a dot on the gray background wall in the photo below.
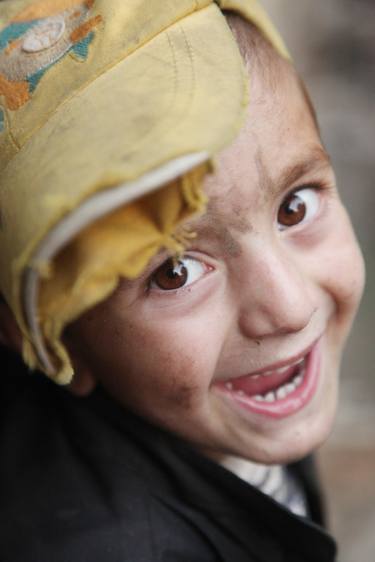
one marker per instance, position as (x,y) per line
(333,45)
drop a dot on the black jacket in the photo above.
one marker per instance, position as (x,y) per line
(82,480)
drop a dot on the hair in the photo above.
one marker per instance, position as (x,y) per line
(260,55)
(257,52)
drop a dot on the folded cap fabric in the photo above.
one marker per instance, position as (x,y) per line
(111,114)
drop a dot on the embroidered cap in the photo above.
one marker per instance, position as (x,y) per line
(111,113)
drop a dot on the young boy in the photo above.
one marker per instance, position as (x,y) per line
(201,349)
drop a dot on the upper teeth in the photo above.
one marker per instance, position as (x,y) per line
(282,370)
(283,390)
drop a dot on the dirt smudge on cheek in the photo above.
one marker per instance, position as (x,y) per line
(180,389)
(183,396)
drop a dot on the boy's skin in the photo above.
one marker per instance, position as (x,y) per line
(256,294)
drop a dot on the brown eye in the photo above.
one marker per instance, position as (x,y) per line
(298,207)
(173,275)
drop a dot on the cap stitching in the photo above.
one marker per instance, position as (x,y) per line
(175,69)
(190,52)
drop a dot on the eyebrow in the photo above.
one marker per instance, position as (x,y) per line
(218,224)
(318,159)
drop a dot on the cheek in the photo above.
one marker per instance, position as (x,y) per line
(163,367)
(339,268)
(346,270)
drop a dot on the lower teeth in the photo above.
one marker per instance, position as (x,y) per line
(283,391)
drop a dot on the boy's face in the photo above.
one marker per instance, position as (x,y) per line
(274,277)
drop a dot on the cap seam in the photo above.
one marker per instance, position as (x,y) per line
(192,63)
(7,129)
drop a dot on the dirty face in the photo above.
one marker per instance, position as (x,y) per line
(237,346)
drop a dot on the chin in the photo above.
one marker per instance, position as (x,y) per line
(296,443)
(292,439)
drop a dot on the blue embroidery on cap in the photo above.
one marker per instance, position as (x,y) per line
(14,31)
(28,49)
(2,121)
(81,49)
(34,79)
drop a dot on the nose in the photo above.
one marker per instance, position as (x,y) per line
(276,299)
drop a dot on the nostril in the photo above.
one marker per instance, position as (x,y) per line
(298,318)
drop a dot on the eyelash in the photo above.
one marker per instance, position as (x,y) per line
(186,287)
(318,187)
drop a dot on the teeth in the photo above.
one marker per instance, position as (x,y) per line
(290,387)
(281,370)
(281,393)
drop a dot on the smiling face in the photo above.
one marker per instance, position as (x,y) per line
(237,347)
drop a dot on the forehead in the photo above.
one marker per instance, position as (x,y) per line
(278,148)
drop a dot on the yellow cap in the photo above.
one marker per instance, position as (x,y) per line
(111,113)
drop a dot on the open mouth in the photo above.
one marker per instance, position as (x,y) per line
(277,392)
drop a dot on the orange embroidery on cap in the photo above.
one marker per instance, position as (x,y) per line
(75,15)
(83,30)
(13,45)
(38,38)
(16,93)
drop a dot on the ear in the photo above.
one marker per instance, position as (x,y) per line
(84,381)
(10,334)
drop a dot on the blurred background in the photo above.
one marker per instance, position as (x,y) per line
(333,45)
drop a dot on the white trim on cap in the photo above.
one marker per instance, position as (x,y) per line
(92,209)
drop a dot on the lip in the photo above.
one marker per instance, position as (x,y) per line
(293,402)
(285,362)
